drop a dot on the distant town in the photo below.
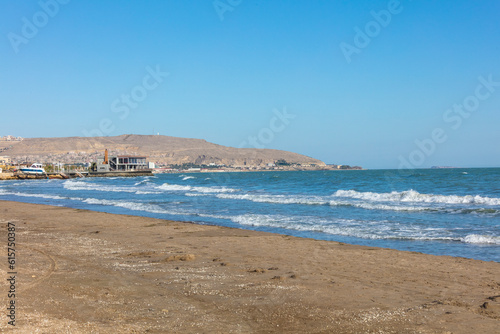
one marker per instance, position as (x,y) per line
(11,138)
(81,161)
(87,160)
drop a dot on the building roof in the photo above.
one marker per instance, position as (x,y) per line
(129,156)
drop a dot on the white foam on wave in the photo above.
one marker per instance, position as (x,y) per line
(316,200)
(177,187)
(188,178)
(135,206)
(278,199)
(416,197)
(371,206)
(74,185)
(89,186)
(174,187)
(195,194)
(142,192)
(375,230)
(338,226)
(46,196)
(146,179)
(3,192)
(214,189)
(481,239)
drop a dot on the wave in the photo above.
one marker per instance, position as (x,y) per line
(142,192)
(293,223)
(89,186)
(176,187)
(476,211)
(46,196)
(186,177)
(278,199)
(146,180)
(337,226)
(317,200)
(380,230)
(135,206)
(481,239)
(416,197)
(410,201)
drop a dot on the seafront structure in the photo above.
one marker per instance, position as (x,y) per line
(120,163)
(107,166)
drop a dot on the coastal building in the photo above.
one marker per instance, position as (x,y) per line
(4,160)
(11,138)
(125,163)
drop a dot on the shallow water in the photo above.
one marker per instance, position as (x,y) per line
(436,211)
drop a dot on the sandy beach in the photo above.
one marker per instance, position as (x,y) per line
(80,271)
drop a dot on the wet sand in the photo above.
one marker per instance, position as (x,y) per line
(80,271)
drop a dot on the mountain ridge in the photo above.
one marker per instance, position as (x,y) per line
(158,148)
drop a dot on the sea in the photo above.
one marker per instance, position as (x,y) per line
(453,212)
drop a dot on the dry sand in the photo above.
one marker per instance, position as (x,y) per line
(88,272)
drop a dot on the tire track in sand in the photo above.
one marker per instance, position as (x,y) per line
(52,269)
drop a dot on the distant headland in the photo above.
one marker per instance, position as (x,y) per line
(164,152)
(443,167)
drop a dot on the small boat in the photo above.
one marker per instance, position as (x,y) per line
(33,169)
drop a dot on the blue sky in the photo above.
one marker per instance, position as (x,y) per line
(370,83)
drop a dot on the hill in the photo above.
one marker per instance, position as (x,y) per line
(159,149)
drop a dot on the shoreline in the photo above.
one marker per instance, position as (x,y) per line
(13,176)
(94,271)
(276,230)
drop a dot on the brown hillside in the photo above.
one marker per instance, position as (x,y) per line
(164,149)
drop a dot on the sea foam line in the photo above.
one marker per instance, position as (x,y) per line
(412,196)
(317,200)
(81,185)
(89,186)
(177,187)
(134,206)
(481,239)
(379,230)
(410,200)
(46,196)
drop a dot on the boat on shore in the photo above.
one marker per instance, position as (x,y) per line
(34,169)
